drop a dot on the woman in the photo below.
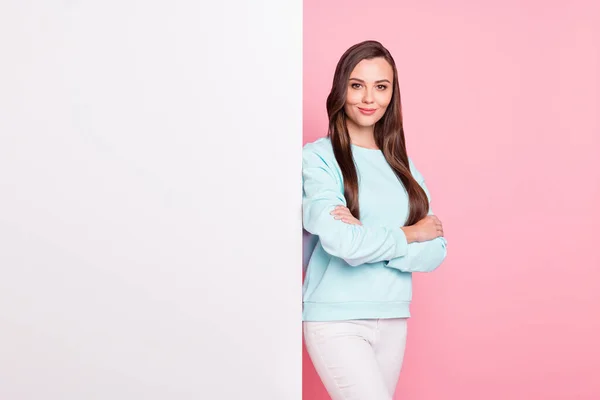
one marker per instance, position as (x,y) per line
(369,207)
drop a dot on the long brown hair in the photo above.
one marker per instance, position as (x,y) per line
(388,132)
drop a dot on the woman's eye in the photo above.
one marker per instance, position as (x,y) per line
(356,86)
(381,87)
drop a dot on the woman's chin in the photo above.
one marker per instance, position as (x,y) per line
(366,121)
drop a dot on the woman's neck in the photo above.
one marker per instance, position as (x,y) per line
(362,136)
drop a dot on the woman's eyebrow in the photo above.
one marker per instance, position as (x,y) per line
(379,81)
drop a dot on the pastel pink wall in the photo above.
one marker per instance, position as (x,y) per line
(501,104)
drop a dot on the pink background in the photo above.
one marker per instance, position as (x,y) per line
(501,104)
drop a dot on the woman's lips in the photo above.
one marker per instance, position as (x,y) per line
(367,111)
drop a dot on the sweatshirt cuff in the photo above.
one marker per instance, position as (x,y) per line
(401,243)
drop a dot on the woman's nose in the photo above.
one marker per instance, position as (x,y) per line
(368,96)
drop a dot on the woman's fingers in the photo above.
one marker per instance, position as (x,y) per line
(343,213)
(340,212)
(437,221)
(349,219)
(341,208)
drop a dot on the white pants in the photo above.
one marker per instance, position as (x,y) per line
(360,359)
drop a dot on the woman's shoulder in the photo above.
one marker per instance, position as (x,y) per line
(414,171)
(319,149)
(320,146)
(319,154)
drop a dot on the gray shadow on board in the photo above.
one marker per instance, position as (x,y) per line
(309,242)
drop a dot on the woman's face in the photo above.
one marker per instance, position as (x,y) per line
(369,92)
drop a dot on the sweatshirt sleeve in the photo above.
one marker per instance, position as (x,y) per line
(355,244)
(421,256)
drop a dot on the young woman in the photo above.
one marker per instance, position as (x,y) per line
(368,206)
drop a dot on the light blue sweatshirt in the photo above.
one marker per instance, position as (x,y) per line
(360,272)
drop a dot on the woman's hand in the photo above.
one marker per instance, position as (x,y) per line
(426,229)
(343,213)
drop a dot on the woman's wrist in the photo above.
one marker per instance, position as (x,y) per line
(410,233)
